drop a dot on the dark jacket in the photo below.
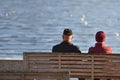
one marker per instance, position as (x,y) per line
(66,47)
(100,47)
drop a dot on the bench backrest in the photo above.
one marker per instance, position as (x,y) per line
(78,65)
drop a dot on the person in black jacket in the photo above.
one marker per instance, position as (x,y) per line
(66,46)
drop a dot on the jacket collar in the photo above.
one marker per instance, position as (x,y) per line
(65,42)
(100,44)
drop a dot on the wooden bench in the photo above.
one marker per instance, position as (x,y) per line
(34,76)
(78,65)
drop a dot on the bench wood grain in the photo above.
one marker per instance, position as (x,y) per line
(78,65)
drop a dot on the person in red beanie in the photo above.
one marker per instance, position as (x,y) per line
(100,47)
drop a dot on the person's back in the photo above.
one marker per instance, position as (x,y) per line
(66,45)
(100,47)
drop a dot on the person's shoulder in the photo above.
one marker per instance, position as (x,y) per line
(91,49)
(57,45)
(109,48)
(75,46)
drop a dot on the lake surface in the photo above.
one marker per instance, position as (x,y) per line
(37,25)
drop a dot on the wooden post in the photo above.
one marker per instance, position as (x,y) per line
(25,61)
(59,62)
(92,76)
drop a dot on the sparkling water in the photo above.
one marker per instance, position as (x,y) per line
(37,25)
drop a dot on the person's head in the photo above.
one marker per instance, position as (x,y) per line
(67,35)
(100,36)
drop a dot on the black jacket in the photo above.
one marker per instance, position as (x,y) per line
(66,47)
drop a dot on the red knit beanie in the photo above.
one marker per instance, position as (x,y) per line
(100,36)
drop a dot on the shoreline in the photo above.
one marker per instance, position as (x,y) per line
(11,58)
